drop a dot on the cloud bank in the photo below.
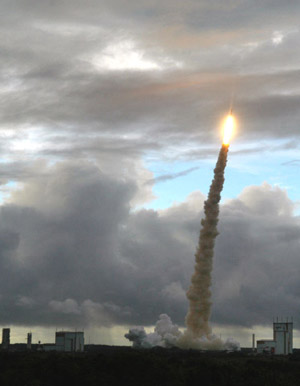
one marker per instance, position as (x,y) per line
(91,92)
(74,253)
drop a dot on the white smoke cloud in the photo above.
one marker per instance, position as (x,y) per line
(166,334)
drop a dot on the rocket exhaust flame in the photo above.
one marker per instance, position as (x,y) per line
(199,294)
(228,129)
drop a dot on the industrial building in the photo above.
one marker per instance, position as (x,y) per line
(67,341)
(5,338)
(29,340)
(282,342)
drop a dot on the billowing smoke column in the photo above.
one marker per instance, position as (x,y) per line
(199,294)
(198,334)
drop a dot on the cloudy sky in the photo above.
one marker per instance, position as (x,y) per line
(110,128)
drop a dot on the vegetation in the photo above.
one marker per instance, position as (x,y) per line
(156,367)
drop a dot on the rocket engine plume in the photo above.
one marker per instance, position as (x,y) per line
(199,294)
(198,334)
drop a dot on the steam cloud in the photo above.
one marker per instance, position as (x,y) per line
(166,334)
(199,294)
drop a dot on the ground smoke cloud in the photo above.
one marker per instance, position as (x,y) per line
(166,334)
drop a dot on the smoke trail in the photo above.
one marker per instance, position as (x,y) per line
(198,334)
(199,294)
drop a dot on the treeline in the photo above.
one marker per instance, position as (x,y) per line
(156,367)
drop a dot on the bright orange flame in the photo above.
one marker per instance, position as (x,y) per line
(228,129)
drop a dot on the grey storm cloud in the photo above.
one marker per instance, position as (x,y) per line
(73,253)
(54,78)
(89,90)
